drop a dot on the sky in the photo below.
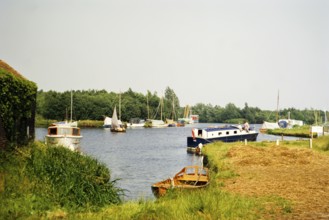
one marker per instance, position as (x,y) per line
(208,51)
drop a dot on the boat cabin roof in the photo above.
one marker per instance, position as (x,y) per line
(227,127)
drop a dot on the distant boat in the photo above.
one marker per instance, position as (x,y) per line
(154,123)
(188,118)
(107,122)
(290,123)
(136,123)
(228,133)
(190,177)
(268,126)
(180,123)
(115,126)
(171,123)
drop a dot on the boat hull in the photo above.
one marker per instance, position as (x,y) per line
(161,188)
(193,142)
(71,142)
(190,177)
(119,130)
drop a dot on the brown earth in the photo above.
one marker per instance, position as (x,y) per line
(300,176)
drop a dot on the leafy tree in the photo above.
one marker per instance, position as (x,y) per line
(171,104)
(231,112)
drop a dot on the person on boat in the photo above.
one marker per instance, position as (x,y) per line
(246,126)
(199,148)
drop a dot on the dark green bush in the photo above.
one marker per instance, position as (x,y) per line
(17,107)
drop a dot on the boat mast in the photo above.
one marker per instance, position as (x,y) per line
(277,107)
(148,107)
(120,106)
(161,105)
(71,106)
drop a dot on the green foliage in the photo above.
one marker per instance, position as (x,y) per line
(94,105)
(37,179)
(17,107)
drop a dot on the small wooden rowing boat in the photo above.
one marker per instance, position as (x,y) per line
(190,177)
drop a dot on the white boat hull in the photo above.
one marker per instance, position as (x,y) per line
(71,142)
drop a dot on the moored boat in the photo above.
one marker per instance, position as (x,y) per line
(190,177)
(136,123)
(268,126)
(66,134)
(228,133)
(152,123)
(115,126)
(180,123)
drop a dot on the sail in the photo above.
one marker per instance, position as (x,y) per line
(270,125)
(115,121)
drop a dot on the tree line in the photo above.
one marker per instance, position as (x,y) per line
(96,104)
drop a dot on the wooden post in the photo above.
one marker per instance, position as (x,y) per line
(310,143)
(277,142)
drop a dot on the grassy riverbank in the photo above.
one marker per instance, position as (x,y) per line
(41,122)
(300,131)
(257,181)
(37,180)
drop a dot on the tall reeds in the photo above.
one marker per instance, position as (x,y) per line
(40,179)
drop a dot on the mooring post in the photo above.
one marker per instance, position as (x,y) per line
(311,143)
(277,142)
(245,142)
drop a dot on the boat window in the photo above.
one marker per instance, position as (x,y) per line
(235,132)
(76,131)
(199,133)
(227,132)
(52,131)
(64,131)
(219,133)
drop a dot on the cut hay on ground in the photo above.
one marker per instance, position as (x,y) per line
(299,175)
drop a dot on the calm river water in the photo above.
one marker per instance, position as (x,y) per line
(142,156)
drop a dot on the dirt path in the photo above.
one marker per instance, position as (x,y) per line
(299,175)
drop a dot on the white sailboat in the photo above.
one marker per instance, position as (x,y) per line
(116,126)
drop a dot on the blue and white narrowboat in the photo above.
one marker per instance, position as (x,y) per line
(228,133)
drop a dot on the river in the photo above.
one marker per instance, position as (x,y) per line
(142,156)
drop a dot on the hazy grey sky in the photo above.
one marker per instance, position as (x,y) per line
(208,51)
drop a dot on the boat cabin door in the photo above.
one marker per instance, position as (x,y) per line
(200,133)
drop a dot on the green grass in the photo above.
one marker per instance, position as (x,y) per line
(298,131)
(35,180)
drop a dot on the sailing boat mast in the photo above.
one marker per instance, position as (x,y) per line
(148,107)
(71,106)
(161,106)
(277,107)
(120,106)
